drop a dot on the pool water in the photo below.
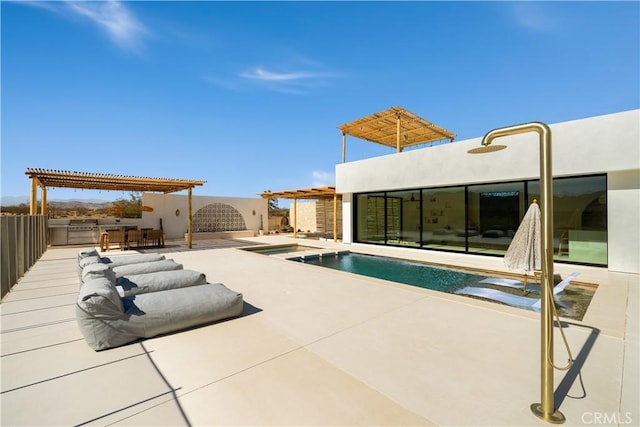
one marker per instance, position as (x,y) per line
(397,270)
(573,301)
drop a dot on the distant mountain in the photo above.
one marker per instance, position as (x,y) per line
(74,204)
(13,200)
(18,200)
(93,201)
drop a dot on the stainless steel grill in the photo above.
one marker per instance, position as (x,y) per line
(82,231)
(81,227)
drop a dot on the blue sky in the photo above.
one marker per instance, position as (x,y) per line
(247,95)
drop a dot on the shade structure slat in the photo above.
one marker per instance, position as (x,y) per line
(382,128)
(101,181)
(304,193)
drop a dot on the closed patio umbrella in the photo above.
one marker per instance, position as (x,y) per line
(524,252)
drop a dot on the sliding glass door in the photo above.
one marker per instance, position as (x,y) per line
(483,218)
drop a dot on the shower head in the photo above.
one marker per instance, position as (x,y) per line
(486,149)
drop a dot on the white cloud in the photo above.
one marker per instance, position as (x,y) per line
(261,74)
(120,24)
(111,16)
(323,179)
(295,82)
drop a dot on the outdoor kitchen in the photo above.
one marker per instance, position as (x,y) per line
(85,231)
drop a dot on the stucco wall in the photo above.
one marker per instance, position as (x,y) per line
(608,143)
(594,145)
(623,223)
(165,206)
(347,215)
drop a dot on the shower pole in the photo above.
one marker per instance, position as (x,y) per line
(544,410)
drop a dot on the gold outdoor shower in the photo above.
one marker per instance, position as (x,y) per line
(544,410)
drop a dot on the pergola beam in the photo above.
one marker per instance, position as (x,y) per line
(305,193)
(109,182)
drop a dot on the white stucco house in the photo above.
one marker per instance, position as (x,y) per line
(442,198)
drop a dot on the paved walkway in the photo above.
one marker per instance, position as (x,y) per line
(316,347)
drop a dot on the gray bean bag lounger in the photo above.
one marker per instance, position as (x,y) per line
(129,269)
(91,256)
(144,283)
(106,320)
(146,267)
(119,259)
(160,281)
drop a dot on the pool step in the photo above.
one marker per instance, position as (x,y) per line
(318,255)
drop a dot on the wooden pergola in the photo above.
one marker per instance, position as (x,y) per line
(317,193)
(396,128)
(45,178)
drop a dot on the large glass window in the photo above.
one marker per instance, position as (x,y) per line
(403,218)
(579,218)
(494,213)
(370,218)
(484,218)
(443,218)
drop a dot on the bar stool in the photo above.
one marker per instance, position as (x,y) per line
(116,237)
(104,241)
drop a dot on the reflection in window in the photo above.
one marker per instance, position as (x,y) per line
(443,218)
(495,211)
(370,218)
(403,218)
(579,218)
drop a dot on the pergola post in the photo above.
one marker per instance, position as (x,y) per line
(344,147)
(295,218)
(324,213)
(189,221)
(33,201)
(43,207)
(398,147)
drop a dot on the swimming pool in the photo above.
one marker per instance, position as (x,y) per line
(574,301)
(396,270)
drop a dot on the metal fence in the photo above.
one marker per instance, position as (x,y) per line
(23,240)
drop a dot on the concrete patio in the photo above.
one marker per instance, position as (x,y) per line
(317,347)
